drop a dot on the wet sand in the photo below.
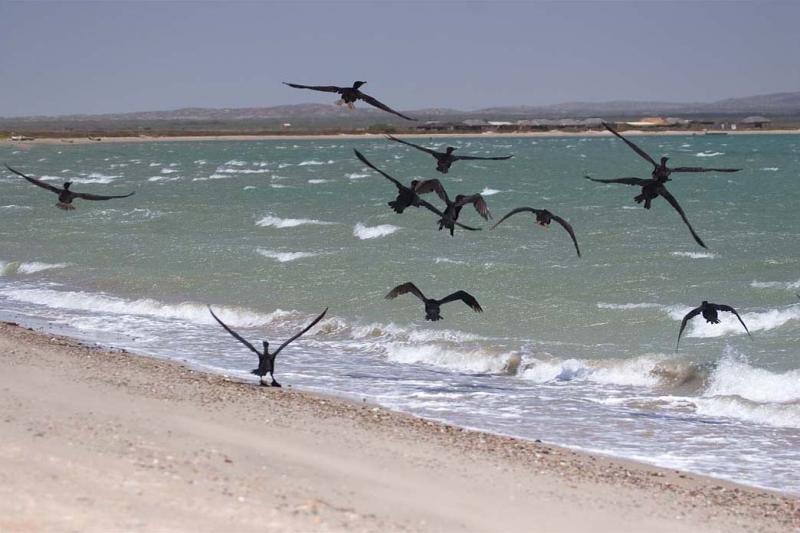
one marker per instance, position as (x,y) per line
(99,440)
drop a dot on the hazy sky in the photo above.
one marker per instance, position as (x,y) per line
(69,57)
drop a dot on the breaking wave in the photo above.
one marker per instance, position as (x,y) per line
(695,255)
(708,154)
(277,222)
(366,232)
(285,257)
(729,324)
(11,268)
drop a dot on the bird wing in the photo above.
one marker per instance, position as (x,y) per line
(691,314)
(235,335)
(701,169)
(465,157)
(432,185)
(644,155)
(674,203)
(515,211)
(639,182)
(464,226)
(566,225)
(36,182)
(285,344)
(403,289)
(418,147)
(88,196)
(323,88)
(375,103)
(477,201)
(465,297)
(363,159)
(728,308)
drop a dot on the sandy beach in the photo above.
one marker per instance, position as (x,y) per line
(66,141)
(98,440)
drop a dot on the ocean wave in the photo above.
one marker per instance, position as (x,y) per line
(356,176)
(788,285)
(489,192)
(708,154)
(168,171)
(779,415)
(729,324)
(695,255)
(603,305)
(100,303)
(314,162)
(95,177)
(446,260)
(649,370)
(12,206)
(11,268)
(366,232)
(459,359)
(770,169)
(318,181)
(732,377)
(285,257)
(163,178)
(277,222)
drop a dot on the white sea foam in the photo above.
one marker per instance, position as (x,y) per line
(168,171)
(356,176)
(277,222)
(788,285)
(603,305)
(770,169)
(446,260)
(463,360)
(644,371)
(708,154)
(779,415)
(101,303)
(12,206)
(314,162)
(285,257)
(163,178)
(11,268)
(732,377)
(366,232)
(695,255)
(729,324)
(317,181)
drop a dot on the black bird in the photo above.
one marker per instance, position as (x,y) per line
(65,195)
(266,360)
(349,95)
(432,306)
(407,196)
(453,210)
(543,218)
(661,171)
(652,189)
(709,311)
(445,159)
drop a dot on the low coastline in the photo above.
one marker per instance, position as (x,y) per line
(94,437)
(66,141)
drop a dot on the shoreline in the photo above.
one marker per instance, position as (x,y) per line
(66,141)
(333,464)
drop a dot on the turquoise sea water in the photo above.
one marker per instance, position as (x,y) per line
(577,352)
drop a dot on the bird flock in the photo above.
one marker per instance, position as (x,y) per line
(411,196)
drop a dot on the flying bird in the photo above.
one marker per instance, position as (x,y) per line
(266,360)
(445,159)
(65,195)
(349,95)
(709,312)
(453,210)
(432,307)
(543,218)
(652,189)
(661,171)
(407,196)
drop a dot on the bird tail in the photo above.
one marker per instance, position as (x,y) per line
(395,205)
(65,207)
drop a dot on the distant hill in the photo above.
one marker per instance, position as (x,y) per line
(326,116)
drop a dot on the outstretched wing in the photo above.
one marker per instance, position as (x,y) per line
(674,203)
(363,159)
(235,335)
(515,211)
(639,182)
(644,155)
(728,308)
(323,88)
(701,169)
(475,157)
(465,297)
(36,182)
(691,314)
(418,147)
(477,201)
(87,196)
(432,185)
(404,289)
(375,103)
(285,344)
(566,225)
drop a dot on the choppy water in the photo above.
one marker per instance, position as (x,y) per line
(577,352)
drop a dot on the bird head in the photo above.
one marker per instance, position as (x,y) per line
(67,185)
(266,347)
(358,84)
(450,149)
(664,161)
(705,303)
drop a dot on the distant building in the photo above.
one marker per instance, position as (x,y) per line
(658,122)
(755,122)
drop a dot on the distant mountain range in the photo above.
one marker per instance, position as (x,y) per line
(327,115)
